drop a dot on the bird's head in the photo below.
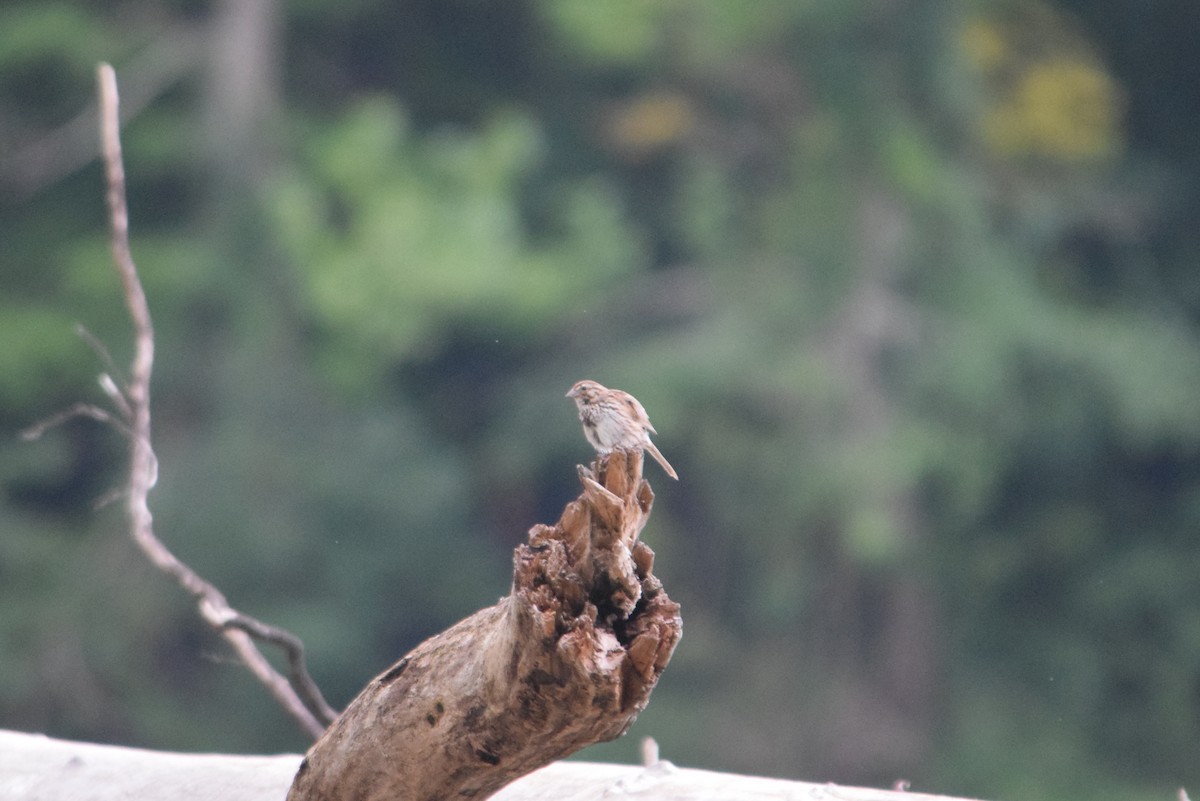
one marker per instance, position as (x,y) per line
(585,392)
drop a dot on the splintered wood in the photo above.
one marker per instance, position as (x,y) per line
(567,659)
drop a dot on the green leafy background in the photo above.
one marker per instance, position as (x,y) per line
(909,289)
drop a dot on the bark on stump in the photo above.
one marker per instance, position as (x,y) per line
(567,659)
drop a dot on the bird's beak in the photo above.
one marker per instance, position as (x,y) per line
(571,393)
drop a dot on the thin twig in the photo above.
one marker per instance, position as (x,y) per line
(36,430)
(312,716)
(98,347)
(293,647)
(109,384)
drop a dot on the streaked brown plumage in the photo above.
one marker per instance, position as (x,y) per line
(614,419)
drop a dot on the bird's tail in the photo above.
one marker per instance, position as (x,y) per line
(662,460)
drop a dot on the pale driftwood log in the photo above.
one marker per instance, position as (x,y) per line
(567,659)
(38,768)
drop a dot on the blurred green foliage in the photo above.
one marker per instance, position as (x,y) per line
(908,288)
(399,238)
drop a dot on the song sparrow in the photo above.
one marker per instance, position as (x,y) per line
(614,419)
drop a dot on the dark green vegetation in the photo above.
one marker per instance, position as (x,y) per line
(910,290)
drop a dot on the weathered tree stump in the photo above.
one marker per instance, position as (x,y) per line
(567,659)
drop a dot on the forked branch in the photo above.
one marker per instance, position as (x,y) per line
(296,693)
(143,470)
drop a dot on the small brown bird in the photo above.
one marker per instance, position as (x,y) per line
(614,419)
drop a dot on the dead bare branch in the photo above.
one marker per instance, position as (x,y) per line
(298,695)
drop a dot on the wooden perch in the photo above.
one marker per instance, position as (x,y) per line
(567,659)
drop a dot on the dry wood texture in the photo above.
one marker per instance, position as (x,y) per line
(37,768)
(567,659)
